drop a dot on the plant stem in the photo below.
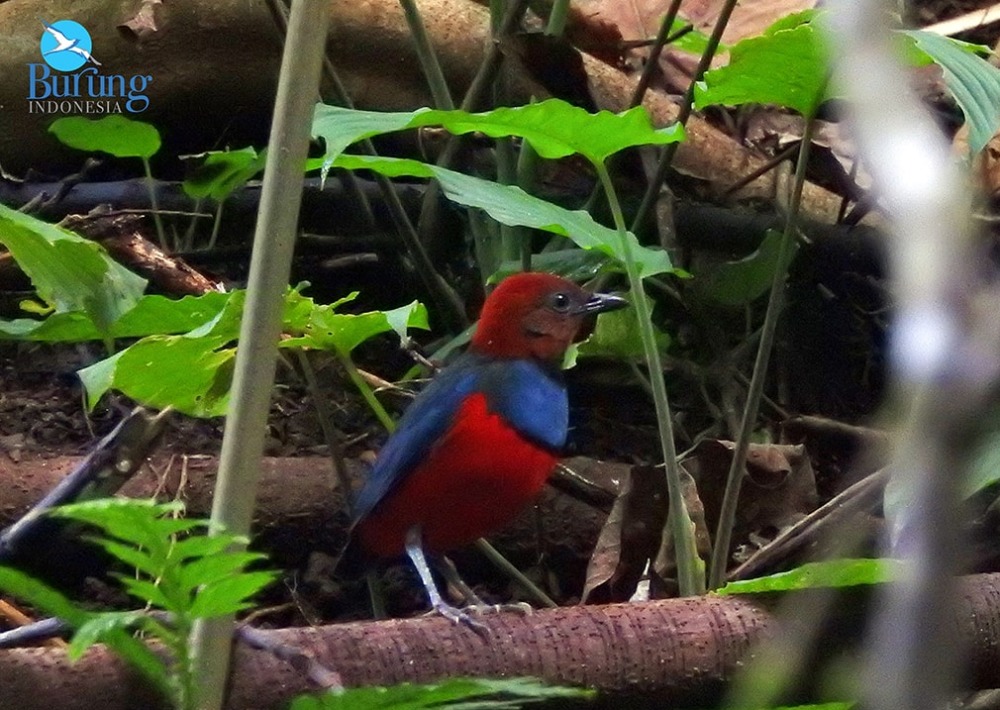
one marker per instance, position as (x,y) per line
(687,103)
(652,62)
(734,480)
(274,239)
(557,18)
(690,574)
(366,392)
(161,235)
(428,58)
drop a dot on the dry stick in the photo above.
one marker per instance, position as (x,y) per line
(766,167)
(653,190)
(968,21)
(863,495)
(654,52)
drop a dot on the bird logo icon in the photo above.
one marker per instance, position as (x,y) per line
(65,45)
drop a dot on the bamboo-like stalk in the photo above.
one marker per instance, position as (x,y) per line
(243,442)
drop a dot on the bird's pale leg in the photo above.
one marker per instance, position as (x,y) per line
(415,551)
(474,603)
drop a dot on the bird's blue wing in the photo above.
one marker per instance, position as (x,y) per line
(420,427)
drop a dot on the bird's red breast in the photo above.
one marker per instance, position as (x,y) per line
(475,479)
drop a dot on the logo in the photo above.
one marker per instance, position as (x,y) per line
(66,45)
(69,79)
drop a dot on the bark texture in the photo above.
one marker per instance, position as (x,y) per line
(678,652)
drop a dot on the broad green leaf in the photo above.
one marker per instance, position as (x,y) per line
(573,264)
(832,573)
(455,692)
(191,372)
(114,134)
(974,82)
(151,315)
(736,283)
(512,206)
(554,128)
(325,329)
(227,596)
(786,66)
(223,171)
(617,335)
(70,273)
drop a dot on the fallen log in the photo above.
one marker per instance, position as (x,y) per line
(670,653)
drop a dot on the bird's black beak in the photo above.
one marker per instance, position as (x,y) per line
(601,302)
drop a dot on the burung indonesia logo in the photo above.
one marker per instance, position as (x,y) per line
(69,78)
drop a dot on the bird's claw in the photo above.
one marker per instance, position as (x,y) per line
(522,608)
(461,617)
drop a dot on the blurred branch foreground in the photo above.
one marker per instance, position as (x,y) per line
(944,361)
(677,652)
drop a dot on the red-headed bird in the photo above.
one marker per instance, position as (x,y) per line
(477,445)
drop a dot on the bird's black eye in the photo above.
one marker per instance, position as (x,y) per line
(560,302)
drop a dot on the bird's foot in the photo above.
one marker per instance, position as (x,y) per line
(460,616)
(522,608)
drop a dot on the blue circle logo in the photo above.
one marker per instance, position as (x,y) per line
(65,45)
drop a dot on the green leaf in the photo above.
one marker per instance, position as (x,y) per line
(130,554)
(573,263)
(694,42)
(70,273)
(150,593)
(737,283)
(191,372)
(205,545)
(468,692)
(832,573)
(114,134)
(618,335)
(151,315)
(512,206)
(974,82)
(192,375)
(786,66)
(554,128)
(213,569)
(140,521)
(98,627)
(223,171)
(230,595)
(322,328)
(41,596)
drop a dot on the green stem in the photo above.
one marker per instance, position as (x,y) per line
(734,480)
(557,18)
(161,235)
(366,392)
(690,575)
(428,58)
(683,114)
(652,62)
